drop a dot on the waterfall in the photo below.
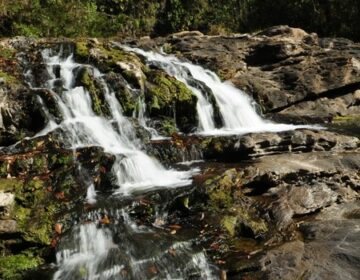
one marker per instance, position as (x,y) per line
(120,249)
(82,127)
(236,109)
(141,117)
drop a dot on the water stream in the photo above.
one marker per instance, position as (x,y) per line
(120,249)
(236,108)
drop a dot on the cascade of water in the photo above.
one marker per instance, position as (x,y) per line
(93,254)
(141,116)
(90,251)
(237,112)
(82,127)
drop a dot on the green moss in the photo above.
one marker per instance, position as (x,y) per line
(82,50)
(39,165)
(229,223)
(167,48)
(169,126)
(34,212)
(167,96)
(166,90)
(98,103)
(220,190)
(346,119)
(127,101)
(6,53)
(60,160)
(3,169)
(248,222)
(11,185)
(115,55)
(13,267)
(8,78)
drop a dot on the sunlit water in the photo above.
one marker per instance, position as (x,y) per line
(120,250)
(236,108)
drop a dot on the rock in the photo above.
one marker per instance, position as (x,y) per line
(8,227)
(288,257)
(6,199)
(329,249)
(20,113)
(6,203)
(168,97)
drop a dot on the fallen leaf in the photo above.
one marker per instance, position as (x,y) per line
(39,144)
(58,228)
(60,195)
(105,220)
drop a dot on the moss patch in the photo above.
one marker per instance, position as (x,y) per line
(13,267)
(346,119)
(98,100)
(8,78)
(82,50)
(166,96)
(229,223)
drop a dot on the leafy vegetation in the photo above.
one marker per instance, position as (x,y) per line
(104,18)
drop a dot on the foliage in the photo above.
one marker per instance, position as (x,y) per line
(104,18)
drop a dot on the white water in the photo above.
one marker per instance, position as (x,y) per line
(134,170)
(142,119)
(90,252)
(237,112)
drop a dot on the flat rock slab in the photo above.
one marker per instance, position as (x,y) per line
(8,226)
(329,250)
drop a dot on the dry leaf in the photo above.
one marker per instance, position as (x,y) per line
(58,228)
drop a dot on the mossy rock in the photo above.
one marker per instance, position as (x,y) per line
(88,81)
(15,266)
(82,50)
(127,99)
(104,55)
(34,212)
(10,71)
(9,79)
(166,96)
(235,211)
(349,124)
(223,190)
(346,119)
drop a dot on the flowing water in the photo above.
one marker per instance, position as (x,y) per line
(120,249)
(236,108)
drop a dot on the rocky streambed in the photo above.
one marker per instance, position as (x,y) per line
(267,205)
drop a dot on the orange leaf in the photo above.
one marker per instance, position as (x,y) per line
(105,220)
(58,228)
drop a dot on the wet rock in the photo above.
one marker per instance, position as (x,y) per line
(256,145)
(20,113)
(166,96)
